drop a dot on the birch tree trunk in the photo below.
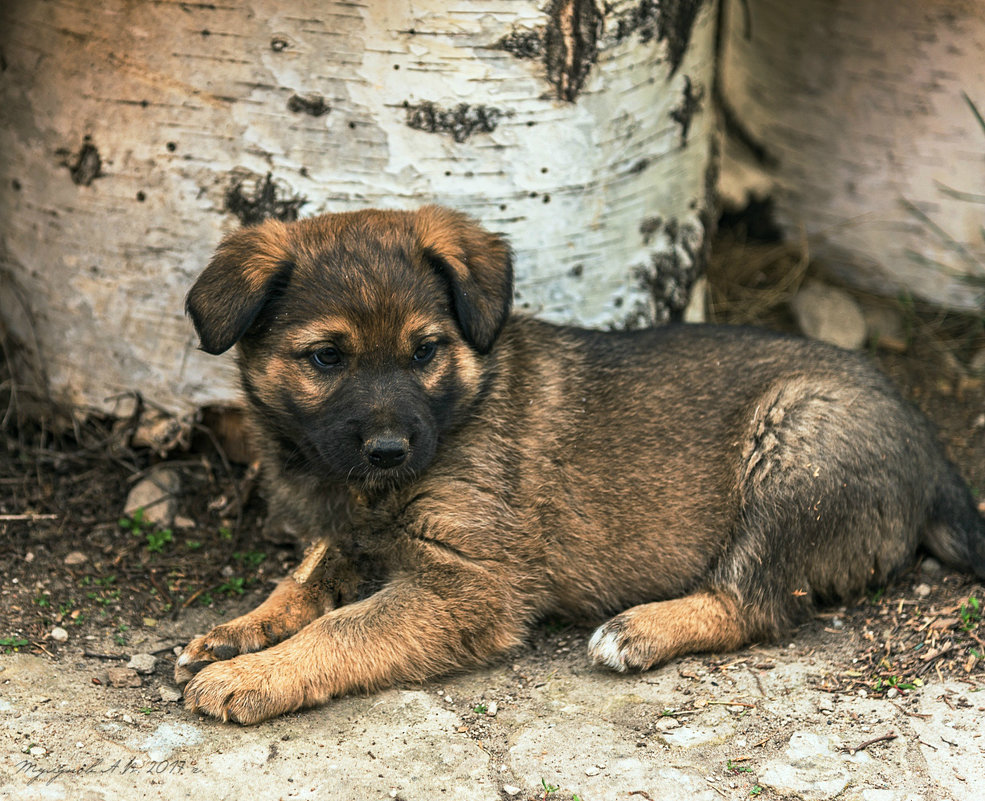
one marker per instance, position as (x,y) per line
(136,134)
(863,122)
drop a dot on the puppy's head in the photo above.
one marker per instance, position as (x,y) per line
(361,335)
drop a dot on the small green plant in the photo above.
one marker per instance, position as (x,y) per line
(138,525)
(971,613)
(756,790)
(12,644)
(193,545)
(225,533)
(120,637)
(157,539)
(549,788)
(251,559)
(44,601)
(480,709)
(738,768)
(234,586)
(898,682)
(148,710)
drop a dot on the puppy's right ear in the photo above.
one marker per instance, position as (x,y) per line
(248,266)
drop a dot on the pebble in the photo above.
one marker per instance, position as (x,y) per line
(76,558)
(592,771)
(156,495)
(142,663)
(829,314)
(923,590)
(509,789)
(492,709)
(169,695)
(58,634)
(123,677)
(930,565)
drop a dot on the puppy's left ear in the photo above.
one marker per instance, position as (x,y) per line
(476,263)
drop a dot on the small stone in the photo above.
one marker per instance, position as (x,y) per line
(667,723)
(922,590)
(510,790)
(76,558)
(830,314)
(492,709)
(29,557)
(825,704)
(156,495)
(448,699)
(892,692)
(150,622)
(123,677)
(837,623)
(931,566)
(169,695)
(592,771)
(143,663)
(127,719)
(183,522)
(58,634)
(37,750)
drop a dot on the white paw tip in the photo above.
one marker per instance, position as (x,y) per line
(604,649)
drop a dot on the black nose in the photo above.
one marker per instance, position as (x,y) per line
(386,451)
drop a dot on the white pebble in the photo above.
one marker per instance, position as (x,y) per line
(509,789)
(58,634)
(492,709)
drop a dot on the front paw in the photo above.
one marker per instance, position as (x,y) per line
(247,689)
(222,643)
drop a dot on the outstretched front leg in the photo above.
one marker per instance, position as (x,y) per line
(650,634)
(300,598)
(445,614)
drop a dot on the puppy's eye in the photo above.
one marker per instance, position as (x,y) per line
(425,353)
(326,358)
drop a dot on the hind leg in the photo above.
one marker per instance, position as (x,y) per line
(651,634)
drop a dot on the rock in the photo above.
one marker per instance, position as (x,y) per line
(142,663)
(76,558)
(811,770)
(169,695)
(156,495)
(510,790)
(123,677)
(667,723)
(492,709)
(922,590)
(58,634)
(829,314)
(930,566)
(825,704)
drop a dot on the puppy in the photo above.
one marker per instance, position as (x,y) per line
(463,471)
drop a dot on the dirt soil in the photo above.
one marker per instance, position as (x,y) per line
(86,587)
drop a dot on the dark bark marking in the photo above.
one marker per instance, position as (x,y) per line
(312,104)
(669,21)
(672,272)
(461,121)
(690,105)
(266,198)
(87,165)
(571,44)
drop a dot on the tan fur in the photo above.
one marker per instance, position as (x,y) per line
(465,472)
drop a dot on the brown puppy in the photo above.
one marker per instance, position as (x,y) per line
(463,471)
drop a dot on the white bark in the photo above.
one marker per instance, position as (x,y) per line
(132,130)
(863,128)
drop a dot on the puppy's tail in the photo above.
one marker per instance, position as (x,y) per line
(956,531)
